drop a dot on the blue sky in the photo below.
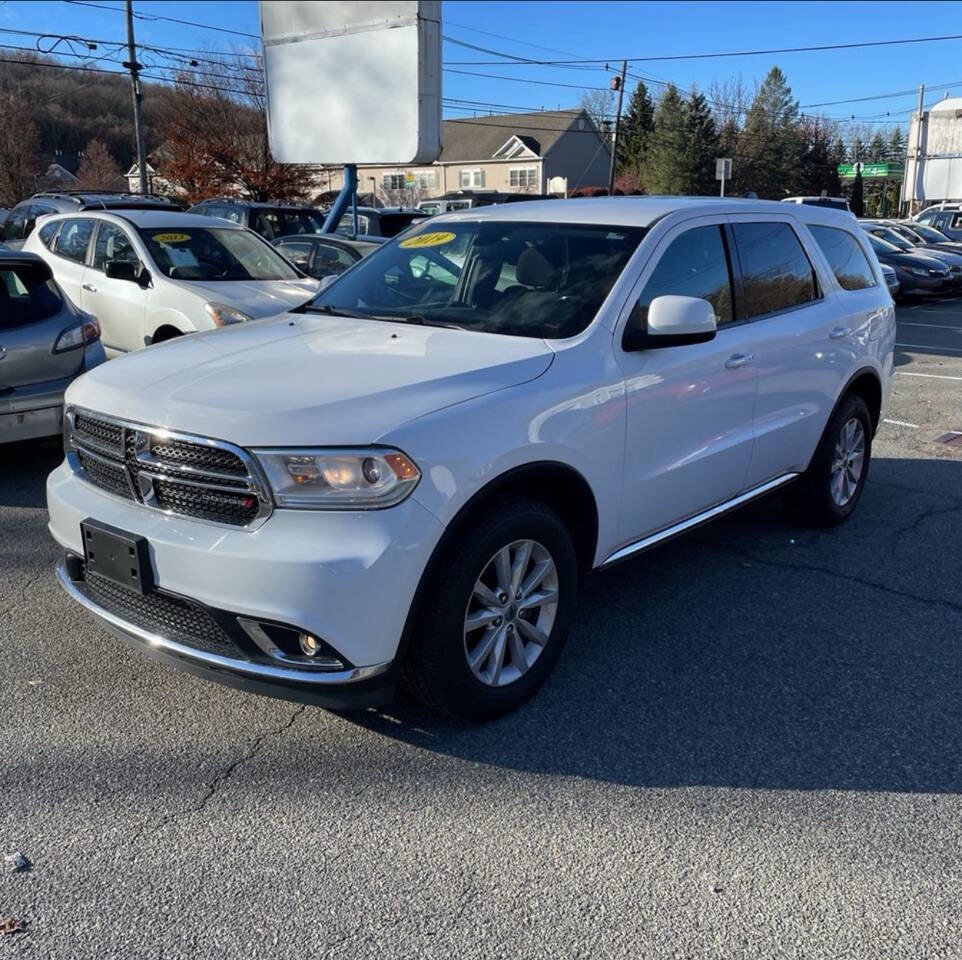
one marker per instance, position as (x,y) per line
(610,30)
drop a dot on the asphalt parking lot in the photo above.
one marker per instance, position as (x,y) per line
(750,748)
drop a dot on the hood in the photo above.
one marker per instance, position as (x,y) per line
(305,379)
(257,298)
(946,256)
(920,260)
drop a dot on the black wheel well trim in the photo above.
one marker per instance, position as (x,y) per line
(164,332)
(874,402)
(511,481)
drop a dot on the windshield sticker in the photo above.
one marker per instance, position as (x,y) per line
(427,240)
(170,237)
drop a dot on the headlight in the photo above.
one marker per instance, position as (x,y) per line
(339,479)
(224,316)
(918,271)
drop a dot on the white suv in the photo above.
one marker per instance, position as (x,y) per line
(150,275)
(408,479)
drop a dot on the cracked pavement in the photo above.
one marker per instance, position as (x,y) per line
(750,748)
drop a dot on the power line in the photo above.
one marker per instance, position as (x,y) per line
(157,17)
(730,53)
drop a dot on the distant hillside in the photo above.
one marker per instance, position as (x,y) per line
(73,107)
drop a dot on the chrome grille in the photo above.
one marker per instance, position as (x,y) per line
(177,473)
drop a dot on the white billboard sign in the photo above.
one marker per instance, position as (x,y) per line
(353,82)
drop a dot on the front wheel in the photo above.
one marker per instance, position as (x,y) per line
(828,492)
(497,612)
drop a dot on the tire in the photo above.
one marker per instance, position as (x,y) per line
(437,669)
(819,497)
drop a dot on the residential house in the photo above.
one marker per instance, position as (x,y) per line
(511,153)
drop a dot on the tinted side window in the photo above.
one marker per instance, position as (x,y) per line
(15,223)
(845,257)
(298,252)
(957,222)
(694,265)
(73,239)
(776,273)
(113,244)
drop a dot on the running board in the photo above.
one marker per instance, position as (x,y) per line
(696,521)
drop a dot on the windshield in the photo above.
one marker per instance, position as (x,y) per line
(892,237)
(283,223)
(929,233)
(27,294)
(881,246)
(521,279)
(215,253)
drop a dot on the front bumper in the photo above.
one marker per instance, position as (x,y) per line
(346,577)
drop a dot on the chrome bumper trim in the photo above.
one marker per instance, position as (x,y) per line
(253,671)
(697,520)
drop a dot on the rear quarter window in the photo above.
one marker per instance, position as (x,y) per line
(776,272)
(845,257)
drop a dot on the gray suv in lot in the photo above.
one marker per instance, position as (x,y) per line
(20,221)
(45,344)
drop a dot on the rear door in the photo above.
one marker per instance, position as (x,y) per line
(70,256)
(119,305)
(803,340)
(32,317)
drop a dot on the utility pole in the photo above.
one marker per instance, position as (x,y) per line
(617,83)
(913,202)
(134,67)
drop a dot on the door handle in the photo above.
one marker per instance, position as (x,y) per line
(89,287)
(839,333)
(737,360)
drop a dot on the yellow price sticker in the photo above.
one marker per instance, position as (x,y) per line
(427,240)
(170,237)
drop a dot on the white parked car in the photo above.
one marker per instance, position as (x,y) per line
(149,275)
(407,479)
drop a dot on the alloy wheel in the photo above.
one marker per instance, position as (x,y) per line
(848,462)
(511,612)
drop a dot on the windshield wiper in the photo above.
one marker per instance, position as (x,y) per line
(415,318)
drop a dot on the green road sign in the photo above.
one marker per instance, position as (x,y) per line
(873,171)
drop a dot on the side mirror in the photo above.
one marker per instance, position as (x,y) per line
(125,270)
(672,321)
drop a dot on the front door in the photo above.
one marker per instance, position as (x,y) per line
(689,408)
(119,305)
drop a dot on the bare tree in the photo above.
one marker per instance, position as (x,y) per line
(19,149)
(600,106)
(98,170)
(217,137)
(729,100)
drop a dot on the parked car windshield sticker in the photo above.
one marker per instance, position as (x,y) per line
(170,237)
(427,240)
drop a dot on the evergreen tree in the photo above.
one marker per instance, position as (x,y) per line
(698,169)
(667,145)
(635,130)
(820,158)
(770,149)
(896,146)
(877,151)
(857,150)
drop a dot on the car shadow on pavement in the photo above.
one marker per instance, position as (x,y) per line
(23,471)
(755,653)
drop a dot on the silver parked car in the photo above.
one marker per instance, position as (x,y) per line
(45,344)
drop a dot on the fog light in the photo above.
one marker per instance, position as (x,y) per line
(310,646)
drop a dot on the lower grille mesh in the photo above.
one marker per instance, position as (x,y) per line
(160,613)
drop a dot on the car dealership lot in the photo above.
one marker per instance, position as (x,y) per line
(749,748)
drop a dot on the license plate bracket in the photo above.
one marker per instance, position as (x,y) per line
(116,555)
